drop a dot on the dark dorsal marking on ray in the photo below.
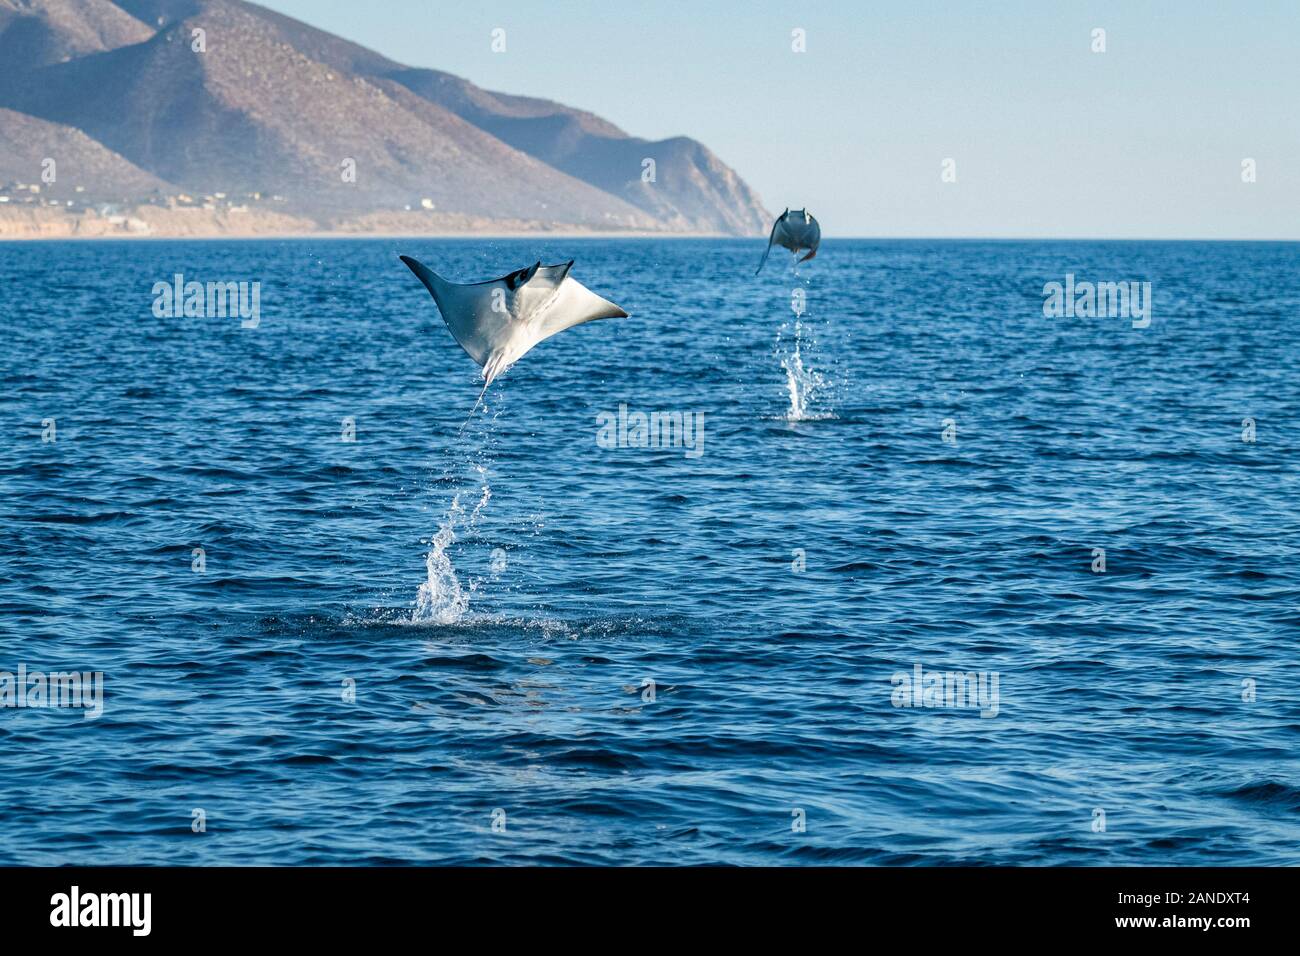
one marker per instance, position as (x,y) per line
(521,276)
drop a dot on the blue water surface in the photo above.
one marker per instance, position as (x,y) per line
(485,637)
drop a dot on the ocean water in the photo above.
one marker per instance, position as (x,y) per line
(482,635)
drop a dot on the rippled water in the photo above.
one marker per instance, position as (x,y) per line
(636,655)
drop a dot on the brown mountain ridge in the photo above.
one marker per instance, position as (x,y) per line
(275,112)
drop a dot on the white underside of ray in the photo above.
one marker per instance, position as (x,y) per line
(497,325)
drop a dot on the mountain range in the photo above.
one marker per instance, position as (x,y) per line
(209,101)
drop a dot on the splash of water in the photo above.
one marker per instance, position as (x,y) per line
(441,598)
(802,383)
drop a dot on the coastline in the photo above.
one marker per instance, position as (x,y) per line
(36,223)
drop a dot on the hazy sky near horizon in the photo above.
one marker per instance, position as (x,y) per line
(1049,138)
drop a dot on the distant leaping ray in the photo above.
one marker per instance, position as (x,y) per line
(795,231)
(498,321)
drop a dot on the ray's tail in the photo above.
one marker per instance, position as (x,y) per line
(470,417)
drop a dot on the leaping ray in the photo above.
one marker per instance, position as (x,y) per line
(498,321)
(795,231)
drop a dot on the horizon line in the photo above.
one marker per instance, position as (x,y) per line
(588,237)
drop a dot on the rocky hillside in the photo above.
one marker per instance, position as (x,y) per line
(271,110)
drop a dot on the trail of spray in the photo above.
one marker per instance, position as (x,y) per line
(441,598)
(803,385)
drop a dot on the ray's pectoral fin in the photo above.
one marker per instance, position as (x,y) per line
(573,304)
(424,274)
(810,255)
(771,239)
(767,251)
(473,313)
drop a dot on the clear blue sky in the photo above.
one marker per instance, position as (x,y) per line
(1049,138)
